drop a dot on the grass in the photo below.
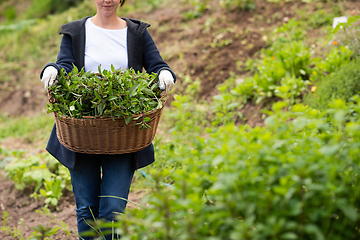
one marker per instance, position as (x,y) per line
(32,129)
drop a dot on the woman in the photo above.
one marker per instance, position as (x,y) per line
(104,39)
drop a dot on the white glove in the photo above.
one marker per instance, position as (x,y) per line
(49,76)
(166,80)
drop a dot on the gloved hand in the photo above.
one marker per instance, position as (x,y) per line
(49,76)
(166,80)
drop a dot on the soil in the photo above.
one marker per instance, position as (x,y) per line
(205,48)
(25,212)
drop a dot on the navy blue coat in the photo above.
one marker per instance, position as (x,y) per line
(142,54)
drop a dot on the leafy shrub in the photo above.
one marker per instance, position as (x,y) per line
(225,107)
(268,75)
(244,88)
(342,84)
(290,49)
(297,178)
(287,58)
(187,116)
(287,66)
(291,89)
(293,60)
(333,61)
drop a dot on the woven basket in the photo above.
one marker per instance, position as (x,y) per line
(106,136)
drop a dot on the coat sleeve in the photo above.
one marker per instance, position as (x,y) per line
(65,58)
(153,62)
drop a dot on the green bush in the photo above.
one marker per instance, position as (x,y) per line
(291,89)
(284,68)
(297,178)
(342,84)
(293,60)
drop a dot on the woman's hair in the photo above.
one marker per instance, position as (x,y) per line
(122,2)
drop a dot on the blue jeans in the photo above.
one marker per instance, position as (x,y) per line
(96,175)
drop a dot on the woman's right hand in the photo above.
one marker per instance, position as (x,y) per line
(49,76)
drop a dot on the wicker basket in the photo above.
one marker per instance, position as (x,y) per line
(106,136)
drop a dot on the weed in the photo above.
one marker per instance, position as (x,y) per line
(41,172)
(5,228)
(42,232)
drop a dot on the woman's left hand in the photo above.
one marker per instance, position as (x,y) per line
(166,80)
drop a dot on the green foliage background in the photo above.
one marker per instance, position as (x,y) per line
(295,177)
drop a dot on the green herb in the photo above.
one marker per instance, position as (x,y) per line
(115,93)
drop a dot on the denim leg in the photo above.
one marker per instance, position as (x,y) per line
(86,182)
(118,172)
(113,185)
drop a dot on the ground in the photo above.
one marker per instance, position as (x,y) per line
(25,213)
(205,48)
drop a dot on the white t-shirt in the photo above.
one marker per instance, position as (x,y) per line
(105,47)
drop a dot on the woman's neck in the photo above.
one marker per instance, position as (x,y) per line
(109,22)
